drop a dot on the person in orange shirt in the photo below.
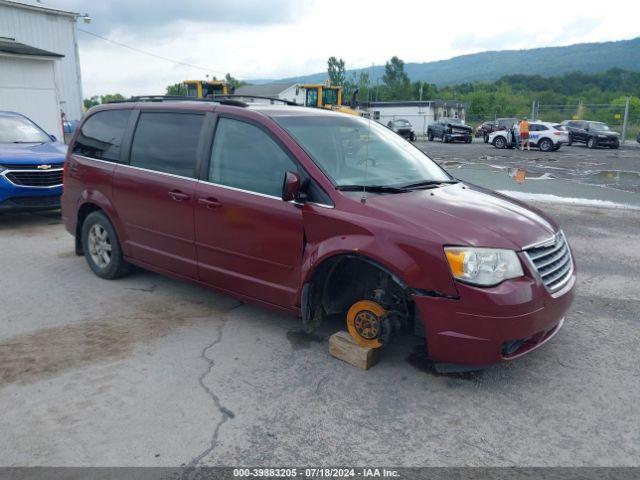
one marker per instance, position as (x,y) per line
(524,133)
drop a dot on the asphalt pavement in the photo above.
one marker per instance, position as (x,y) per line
(149,371)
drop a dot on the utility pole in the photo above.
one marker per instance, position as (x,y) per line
(624,122)
(533,110)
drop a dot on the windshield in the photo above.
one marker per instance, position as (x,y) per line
(401,123)
(329,96)
(192,90)
(354,151)
(21,130)
(598,126)
(454,121)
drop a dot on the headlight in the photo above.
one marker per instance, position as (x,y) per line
(483,266)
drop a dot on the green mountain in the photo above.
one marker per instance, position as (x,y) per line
(492,65)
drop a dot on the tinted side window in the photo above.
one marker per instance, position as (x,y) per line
(167,142)
(245,157)
(101,135)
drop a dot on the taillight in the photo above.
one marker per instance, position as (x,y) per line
(557,133)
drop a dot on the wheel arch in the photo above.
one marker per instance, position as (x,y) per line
(323,282)
(92,201)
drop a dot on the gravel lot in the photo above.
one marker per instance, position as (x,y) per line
(148,371)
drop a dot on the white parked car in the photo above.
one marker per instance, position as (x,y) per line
(547,136)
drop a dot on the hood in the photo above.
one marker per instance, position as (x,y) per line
(32,153)
(608,133)
(463,214)
(460,126)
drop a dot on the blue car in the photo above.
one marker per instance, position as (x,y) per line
(31,164)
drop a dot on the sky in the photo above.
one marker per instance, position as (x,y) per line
(280,38)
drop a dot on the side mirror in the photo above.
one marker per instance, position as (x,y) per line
(290,186)
(53,138)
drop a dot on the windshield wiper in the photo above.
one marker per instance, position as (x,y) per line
(428,184)
(370,188)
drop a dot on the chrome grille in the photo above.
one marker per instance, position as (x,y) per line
(35,178)
(552,261)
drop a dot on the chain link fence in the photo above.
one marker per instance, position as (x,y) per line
(619,116)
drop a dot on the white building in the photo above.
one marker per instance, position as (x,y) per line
(419,113)
(284,91)
(39,63)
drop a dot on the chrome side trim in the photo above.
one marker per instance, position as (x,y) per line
(235,189)
(264,195)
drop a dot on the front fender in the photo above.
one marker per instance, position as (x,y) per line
(416,263)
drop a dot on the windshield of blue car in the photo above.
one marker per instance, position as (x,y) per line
(351,150)
(598,126)
(15,129)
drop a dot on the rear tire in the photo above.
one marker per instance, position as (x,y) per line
(102,248)
(545,145)
(486,139)
(615,145)
(430,136)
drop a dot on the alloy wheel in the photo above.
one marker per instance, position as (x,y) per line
(99,245)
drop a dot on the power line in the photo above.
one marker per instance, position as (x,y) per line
(177,62)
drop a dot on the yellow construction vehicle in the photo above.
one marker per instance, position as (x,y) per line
(318,95)
(206,88)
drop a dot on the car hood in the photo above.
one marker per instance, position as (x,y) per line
(463,214)
(609,133)
(457,125)
(32,153)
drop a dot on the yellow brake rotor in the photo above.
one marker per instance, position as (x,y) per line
(364,322)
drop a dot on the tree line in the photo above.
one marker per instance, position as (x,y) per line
(603,94)
(511,94)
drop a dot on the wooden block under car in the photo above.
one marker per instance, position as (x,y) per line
(342,346)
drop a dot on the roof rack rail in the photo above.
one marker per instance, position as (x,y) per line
(181,98)
(260,97)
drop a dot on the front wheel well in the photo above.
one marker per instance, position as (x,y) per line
(342,280)
(83,212)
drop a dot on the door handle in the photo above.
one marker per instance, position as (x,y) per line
(210,203)
(178,196)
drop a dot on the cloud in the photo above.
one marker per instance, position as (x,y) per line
(145,16)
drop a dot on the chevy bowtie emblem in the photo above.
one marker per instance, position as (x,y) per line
(44,167)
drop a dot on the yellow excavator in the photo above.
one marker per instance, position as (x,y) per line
(206,88)
(318,95)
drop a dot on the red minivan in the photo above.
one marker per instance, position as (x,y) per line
(317,214)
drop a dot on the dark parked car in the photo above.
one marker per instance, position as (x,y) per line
(31,163)
(487,128)
(638,137)
(484,129)
(403,128)
(593,134)
(449,130)
(316,213)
